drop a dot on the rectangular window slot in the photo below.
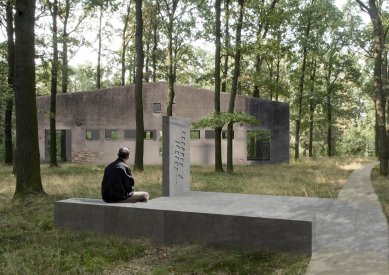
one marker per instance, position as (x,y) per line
(92,134)
(130,134)
(225,134)
(157,108)
(149,135)
(194,134)
(209,134)
(112,134)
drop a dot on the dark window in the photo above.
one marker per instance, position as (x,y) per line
(150,134)
(112,134)
(209,134)
(258,145)
(194,134)
(130,134)
(225,134)
(157,107)
(92,134)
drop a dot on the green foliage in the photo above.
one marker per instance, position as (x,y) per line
(358,138)
(215,120)
(82,78)
(263,135)
(381,187)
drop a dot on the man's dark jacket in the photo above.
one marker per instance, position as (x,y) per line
(118,183)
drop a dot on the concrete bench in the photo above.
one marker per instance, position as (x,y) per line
(276,223)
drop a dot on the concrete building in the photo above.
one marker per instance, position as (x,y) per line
(99,122)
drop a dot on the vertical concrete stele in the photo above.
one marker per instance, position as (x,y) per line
(176,158)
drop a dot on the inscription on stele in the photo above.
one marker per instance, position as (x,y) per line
(179,157)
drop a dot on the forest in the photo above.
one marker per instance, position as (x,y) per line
(328,60)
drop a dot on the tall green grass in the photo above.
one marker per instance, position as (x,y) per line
(381,187)
(31,244)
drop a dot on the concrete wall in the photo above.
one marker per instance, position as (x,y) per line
(114,108)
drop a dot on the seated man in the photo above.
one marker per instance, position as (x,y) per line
(118,183)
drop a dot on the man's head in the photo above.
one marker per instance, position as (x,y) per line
(124,153)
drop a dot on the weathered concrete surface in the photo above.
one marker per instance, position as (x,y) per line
(287,224)
(176,155)
(354,236)
(114,109)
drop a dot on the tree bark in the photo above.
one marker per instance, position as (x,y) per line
(65,58)
(329,107)
(234,86)
(258,57)
(28,178)
(226,44)
(278,74)
(170,56)
(312,105)
(299,101)
(65,71)
(99,37)
(147,61)
(54,84)
(155,42)
(375,16)
(218,130)
(138,165)
(124,46)
(9,102)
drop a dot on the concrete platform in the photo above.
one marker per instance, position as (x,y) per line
(278,223)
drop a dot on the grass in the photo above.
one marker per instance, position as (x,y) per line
(30,243)
(381,187)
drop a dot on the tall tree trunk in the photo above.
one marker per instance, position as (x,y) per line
(226,44)
(379,96)
(329,108)
(271,79)
(234,86)
(258,57)
(28,175)
(65,71)
(99,37)
(138,165)
(154,55)
(124,45)
(375,15)
(312,105)
(65,41)
(155,42)
(385,90)
(376,139)
(329,95)
(258,65)
(9,101)
(278,74)
(54,84)
(299,100)
(170,56)
(134,68)
(218,130)
(147,61)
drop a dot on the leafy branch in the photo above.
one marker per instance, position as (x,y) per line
(215,120)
